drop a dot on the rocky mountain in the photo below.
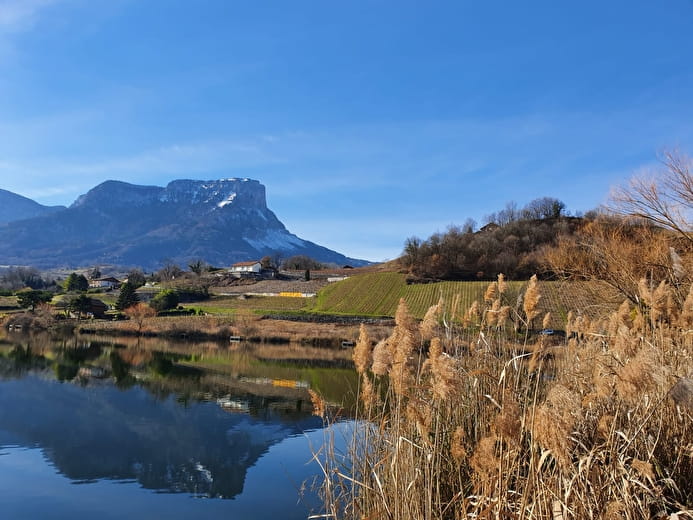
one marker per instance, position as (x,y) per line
(15,207)
(221,222)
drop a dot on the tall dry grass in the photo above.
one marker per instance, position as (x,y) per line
(474,424)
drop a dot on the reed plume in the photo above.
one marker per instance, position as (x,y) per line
(531,300)
(362,355)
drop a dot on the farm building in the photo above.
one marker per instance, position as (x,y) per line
(104,283)
(246,267)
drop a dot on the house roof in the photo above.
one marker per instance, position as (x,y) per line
(109,279)
(245,264)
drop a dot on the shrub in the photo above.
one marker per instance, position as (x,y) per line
(165,300)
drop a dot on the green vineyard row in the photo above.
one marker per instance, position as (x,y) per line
(378,294)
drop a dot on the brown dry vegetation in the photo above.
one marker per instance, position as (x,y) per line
(473,425)
(243,323)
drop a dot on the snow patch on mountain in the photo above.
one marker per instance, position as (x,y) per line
(276,239)
(228,200)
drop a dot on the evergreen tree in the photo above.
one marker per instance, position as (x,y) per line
(127,297)
(31,298)
(76,282)
(80,304)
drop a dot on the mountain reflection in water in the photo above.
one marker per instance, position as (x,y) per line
(100,412)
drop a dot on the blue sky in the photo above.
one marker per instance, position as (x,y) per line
(367,121)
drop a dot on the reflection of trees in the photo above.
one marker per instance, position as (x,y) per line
(116,434)
(18,360)
(160,422)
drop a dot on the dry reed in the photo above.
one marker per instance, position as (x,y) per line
(502,429)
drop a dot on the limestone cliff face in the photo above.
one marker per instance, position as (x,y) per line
(221,221)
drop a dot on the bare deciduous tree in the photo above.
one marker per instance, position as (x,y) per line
(664,196)
(620,254)
(139,313)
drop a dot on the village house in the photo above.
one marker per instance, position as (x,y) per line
(246,267)
(104,283)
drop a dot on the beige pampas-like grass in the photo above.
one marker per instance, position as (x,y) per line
(319,405)
(565,400)
(508,424)
(503,315)
(625,344)
(471,317)
(493,314)
(502,286)
(458,448)
(369,397)
(491,292)
(382,358)
(660,302)
(429,324)
(644,468)
(403,318)
(531,299)
(622,317)
(552,432)
(484,460)
(362,355)
(404,344)
(638,376)
(546,322)
(615,511)
(605,426)
(539,355)
(477,434)
(554,421)
(445,377)
(569,325)
(686,316)
(645,292)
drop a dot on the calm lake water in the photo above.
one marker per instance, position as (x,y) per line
(91,429)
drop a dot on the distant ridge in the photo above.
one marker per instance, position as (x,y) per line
(16,207)
(220,221)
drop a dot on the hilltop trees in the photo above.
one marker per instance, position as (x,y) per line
(19,277)
(541,208)
(136,278)
(509,243)
(198,266)
(301,263)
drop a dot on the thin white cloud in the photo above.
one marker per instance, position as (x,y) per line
(19,15)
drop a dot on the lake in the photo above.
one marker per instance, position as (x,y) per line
(93,428)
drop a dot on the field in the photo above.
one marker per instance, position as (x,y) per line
(8,303)
(229,305)
(378,294)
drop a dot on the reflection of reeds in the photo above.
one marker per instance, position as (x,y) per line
(477,425)
(202,328)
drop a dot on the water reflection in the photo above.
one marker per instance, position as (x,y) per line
(173,421)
